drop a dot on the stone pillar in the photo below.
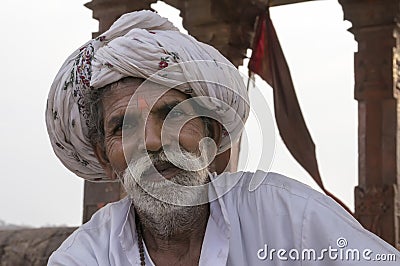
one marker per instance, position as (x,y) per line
(108,11)
(227,26)
(377,198)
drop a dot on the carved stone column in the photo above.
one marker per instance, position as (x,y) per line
(377,195)
(108,11)
(226,25)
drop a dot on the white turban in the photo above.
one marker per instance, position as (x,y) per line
(139,44)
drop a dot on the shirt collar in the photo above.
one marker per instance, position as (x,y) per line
(128,236)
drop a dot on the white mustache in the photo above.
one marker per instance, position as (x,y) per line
(183,189)
(145,163)
(186,161)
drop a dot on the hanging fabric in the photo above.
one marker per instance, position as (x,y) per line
(268,61)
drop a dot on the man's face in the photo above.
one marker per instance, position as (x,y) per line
(133,121)
(145,112)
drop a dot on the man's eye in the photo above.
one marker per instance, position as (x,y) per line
(124,126)
(127,126)
(176,113)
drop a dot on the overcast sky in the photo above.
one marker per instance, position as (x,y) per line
(37,36)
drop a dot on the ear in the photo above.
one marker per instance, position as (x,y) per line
(216,129)
(104,162)
(221,161)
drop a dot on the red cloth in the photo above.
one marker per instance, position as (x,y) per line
(268,61)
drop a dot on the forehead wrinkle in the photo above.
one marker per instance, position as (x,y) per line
(172,97)
(152,99)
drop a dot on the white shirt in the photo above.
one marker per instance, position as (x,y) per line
(282,222)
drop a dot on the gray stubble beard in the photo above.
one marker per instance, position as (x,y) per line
(155,209)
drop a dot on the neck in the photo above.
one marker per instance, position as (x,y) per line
(181,246)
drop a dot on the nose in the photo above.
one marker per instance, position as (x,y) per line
(153,134)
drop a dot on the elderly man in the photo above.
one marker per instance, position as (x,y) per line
(151,107)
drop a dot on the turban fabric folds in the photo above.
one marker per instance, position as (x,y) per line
(144,45)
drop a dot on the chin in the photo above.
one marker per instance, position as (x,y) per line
(169,206)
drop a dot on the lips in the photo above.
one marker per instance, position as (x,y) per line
(161,169)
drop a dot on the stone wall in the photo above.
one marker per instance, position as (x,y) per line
(30,246)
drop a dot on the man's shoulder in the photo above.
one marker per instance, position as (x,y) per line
(260,182)
(91,242)
(275,193)
(105,222)
(109,212)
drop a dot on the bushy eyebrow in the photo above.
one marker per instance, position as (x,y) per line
(164,108)
(118,120)
(114,121)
